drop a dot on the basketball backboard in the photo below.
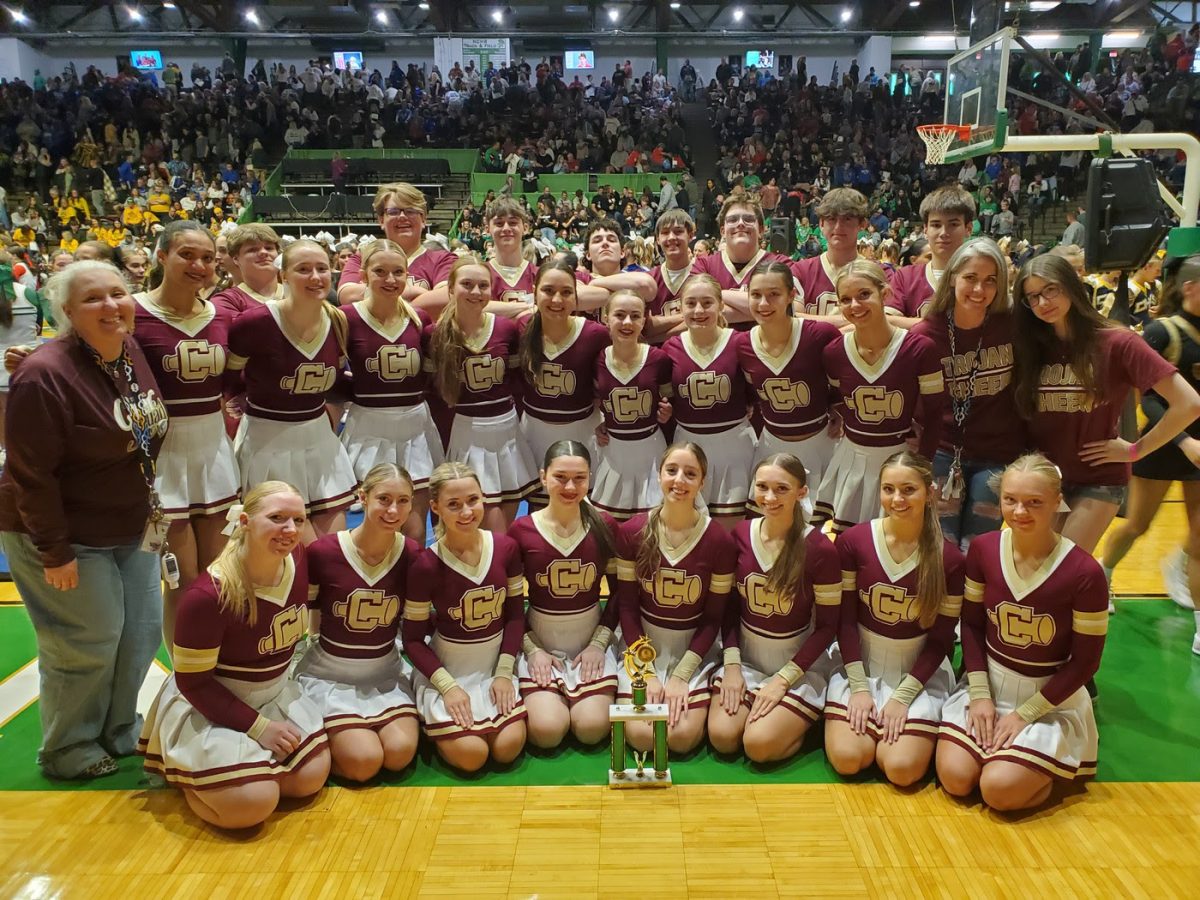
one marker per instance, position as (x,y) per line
(976,84)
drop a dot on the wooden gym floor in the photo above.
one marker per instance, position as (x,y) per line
(545,828)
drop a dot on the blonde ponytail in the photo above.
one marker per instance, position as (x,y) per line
(235,591)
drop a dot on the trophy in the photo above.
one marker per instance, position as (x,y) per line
(639,659)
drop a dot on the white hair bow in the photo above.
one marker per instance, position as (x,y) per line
(233,518)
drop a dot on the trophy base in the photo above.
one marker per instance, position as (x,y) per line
(647,779)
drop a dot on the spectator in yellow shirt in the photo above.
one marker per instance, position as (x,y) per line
(160,201)
(68,242)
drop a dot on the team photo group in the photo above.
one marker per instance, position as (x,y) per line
(806,482)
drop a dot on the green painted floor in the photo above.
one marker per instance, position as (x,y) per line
(1149,717)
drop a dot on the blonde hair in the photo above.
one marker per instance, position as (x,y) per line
(337,318)
(931,572)
(250,233)
(448,345)
(713,286)
(383,245)
(378,474)
(862,268)
(977,248)
(887,251)
(648,555)
(1032,464)
(443,475)
(235,591)
(58,288)
(406,194)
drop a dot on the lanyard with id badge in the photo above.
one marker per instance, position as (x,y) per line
(141,427)
(954,486)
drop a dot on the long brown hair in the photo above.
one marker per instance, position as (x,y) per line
(1034,342)
(532,348)
(945,296)
(931,573)
(787,572)
(448,345)
(591,519)
(1172,296)
(648,554)
(235,591)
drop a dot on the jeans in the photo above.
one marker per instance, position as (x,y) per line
(978,510)
(95,645)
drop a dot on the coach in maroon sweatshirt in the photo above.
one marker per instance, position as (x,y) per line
(84,421)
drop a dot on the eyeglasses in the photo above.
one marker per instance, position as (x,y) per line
(749,219)
(1048,294)
(395,212)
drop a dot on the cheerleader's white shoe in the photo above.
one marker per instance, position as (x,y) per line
(1174,573)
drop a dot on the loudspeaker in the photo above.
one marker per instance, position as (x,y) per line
(781,237)
(1126,218)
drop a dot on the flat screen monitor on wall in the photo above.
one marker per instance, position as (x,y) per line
(145,59)
(760,59)
(348,59)
(580,59)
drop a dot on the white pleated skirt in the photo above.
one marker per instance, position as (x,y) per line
(189,751)
(730,454)
(495,449)
(670,644)
(1062,744)
(815,452)
(849,491)
(472,665)
(887,661)
(196,473)
(403,435)
(625,481)
(541,435)
(307,455)
(356,693)
(564,637)
(762,657)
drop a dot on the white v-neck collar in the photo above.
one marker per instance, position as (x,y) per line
(505,271)
(369,573)
(777,363)
(867,370)
(740,274)
(480,340)
(564,544)
(1023,587)
(189,325)
(622,373)
(705,358)
(674,278)
(762,554)
(364,310)
(278,595)
(552,350)
(676,556)
(307,349)
(894,570)
(474,574)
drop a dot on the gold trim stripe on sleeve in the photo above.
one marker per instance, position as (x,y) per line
(417,612)
(974,591)
(827,594)
(1093,623)
(189,660)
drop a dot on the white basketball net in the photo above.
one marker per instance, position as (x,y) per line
(937,142)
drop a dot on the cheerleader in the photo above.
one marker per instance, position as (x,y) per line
(673,233)
(604,246)
(889,380)
(772,685)
(185,339)
(781,358)
(473,355)
(741,224)
(389,420)
(1175,335)
(710,407)
(230,728)
(291,351)
(902,587)
(512,274)
(841,214)
(466,591)
(970,322)
(401,210)
(633,382)
(352,670)
(1074,372)
(675,568)
(253,249)
(558,358)
(1033,629)
(568,673)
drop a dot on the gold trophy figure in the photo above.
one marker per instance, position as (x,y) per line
(639,660)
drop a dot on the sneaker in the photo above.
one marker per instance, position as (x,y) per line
(1112,607)
(1174,574)
(99,769)
(1196,644)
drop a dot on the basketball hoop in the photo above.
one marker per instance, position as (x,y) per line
(938,139)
